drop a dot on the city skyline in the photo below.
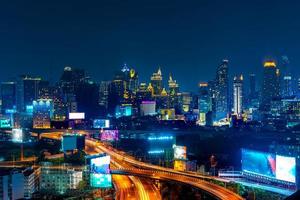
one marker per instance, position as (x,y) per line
(102,36)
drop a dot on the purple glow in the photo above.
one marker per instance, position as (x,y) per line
(148,102)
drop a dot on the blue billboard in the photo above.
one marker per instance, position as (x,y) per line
(100,165)
(100,180)
(259,163)
(270,165)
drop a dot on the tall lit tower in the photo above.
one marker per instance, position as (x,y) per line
(238,95)
(156,82)
(221,90)
(173,92)
(270,87)
(287,79)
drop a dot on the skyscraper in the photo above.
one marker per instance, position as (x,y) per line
(204,102)
(238,95)
(173,92)
(270,87)
(222,90)
(287,78)
(27,91)
(156,82)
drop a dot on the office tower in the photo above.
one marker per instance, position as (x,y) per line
(144,93)
(287,78)
(221,91)
(87,99)
(156,82)
(103,94)
(70,79)
(8,96)
(204,102)
(133,81)
(173,92)
(42,113)
(270,88)
(27,91)
(238,95)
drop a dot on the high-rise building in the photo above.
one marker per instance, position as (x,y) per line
(103,94)
(173,93)
(222,91)
(204,102)
(156,82)
(238,95)
(27,91)
(42,113)
(270,88)
(133,81)
(287,89)
(8,96)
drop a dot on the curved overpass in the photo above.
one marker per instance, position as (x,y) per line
(157,172)
(213,189)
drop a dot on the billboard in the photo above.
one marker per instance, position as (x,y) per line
(70,142)
(77,115)
(179,165)
(100,180)
(17,135)
(259,163)
(100,165)
(101,123)
(109,135)
(180,152)
(270,165)
(286,168)
(5,123)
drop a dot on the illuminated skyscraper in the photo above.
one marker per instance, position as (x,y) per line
(270,87)
(42,113)
(204,102)
(27,91)
(133,81)
(287,78)
(238,95)
(156,82)
(222,91)
(173,92)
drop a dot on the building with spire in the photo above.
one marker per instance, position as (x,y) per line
(173,93)
(156,82)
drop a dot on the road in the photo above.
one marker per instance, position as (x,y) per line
(156,172)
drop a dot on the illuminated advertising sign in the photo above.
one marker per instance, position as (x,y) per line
(76,115)
(180,152)
(5,123)
(100,165)
(71,142)
(179,165)
(270,165)
(259,163)
(286,168)
(100,180)
(17,135)
(68,142)
(109,135)
(101,123)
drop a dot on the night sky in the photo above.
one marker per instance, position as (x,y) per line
(186,38)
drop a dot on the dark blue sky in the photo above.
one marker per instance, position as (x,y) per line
(186,38)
